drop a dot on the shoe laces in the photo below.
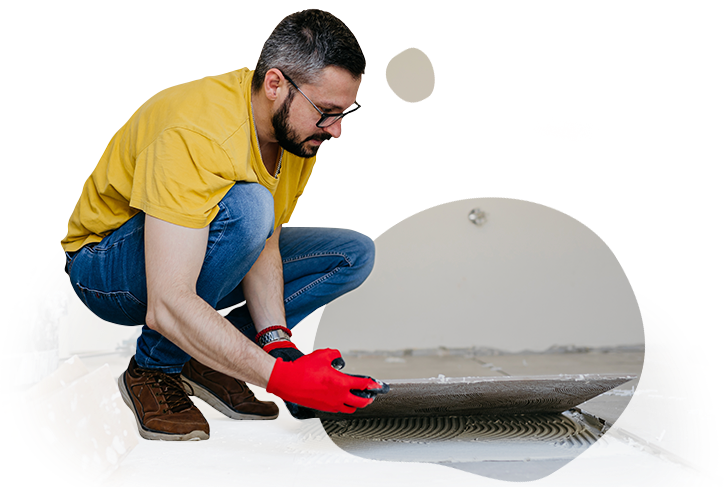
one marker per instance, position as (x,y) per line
(171,390)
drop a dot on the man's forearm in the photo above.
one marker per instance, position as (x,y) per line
(195,327)
(264,287)
(174,256)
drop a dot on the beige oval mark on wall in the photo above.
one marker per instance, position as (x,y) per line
(410,75)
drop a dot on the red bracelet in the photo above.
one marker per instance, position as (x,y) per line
(272,328)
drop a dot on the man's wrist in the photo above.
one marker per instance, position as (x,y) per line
(273,334)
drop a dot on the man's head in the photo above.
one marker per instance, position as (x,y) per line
(315,52)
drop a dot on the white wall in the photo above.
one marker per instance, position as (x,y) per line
(530,277)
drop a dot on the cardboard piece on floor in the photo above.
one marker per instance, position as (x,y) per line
(77,422)
(462,396)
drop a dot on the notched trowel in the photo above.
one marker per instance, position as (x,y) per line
(383,388)
(368,393)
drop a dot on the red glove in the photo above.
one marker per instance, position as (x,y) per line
(312,382)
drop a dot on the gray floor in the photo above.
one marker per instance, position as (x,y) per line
(666,396)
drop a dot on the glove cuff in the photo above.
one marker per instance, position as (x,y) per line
(278,344)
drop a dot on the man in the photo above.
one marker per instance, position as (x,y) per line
(183,216)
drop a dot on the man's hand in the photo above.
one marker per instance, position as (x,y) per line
(311,381)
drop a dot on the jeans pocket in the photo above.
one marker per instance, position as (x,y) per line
(69,261)
(119,307)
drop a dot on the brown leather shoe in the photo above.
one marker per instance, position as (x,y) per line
(162,408)
(229,396)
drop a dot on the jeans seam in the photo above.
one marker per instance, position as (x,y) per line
(223,231)
(311,285)
(94,249)
(110,294)
(319,254)
(320,279)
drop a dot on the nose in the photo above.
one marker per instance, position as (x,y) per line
(335,129)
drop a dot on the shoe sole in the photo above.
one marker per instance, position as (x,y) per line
(212,400)
(152,434)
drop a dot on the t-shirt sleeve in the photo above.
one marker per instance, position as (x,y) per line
(181,177)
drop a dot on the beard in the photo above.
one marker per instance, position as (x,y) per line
(286,136)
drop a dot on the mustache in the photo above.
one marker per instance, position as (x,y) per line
(321,138)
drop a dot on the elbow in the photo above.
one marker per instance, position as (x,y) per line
(152,321)
(159,316)
(165,311)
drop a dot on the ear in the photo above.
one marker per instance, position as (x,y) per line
(273,81)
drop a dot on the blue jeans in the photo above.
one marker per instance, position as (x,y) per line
(319,265)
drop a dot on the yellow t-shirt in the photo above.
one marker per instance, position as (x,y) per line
(177,157)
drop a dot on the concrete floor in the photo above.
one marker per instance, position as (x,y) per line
(291,452)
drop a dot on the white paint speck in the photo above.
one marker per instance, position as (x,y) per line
(111,455)
(104,402)
(48,435)
(118,445)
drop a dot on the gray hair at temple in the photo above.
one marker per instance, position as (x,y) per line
(305,43)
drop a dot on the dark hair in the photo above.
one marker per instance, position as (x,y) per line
(305,43)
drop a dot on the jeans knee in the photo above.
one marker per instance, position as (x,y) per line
(367,251)
(364,257)
(250,208)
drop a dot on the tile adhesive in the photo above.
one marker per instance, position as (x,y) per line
(517,418)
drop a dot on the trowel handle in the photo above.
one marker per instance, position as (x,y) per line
(370,393)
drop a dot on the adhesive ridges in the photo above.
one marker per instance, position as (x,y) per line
(549,428)
(455,439)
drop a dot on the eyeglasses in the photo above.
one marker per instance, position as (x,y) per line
(326,119)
